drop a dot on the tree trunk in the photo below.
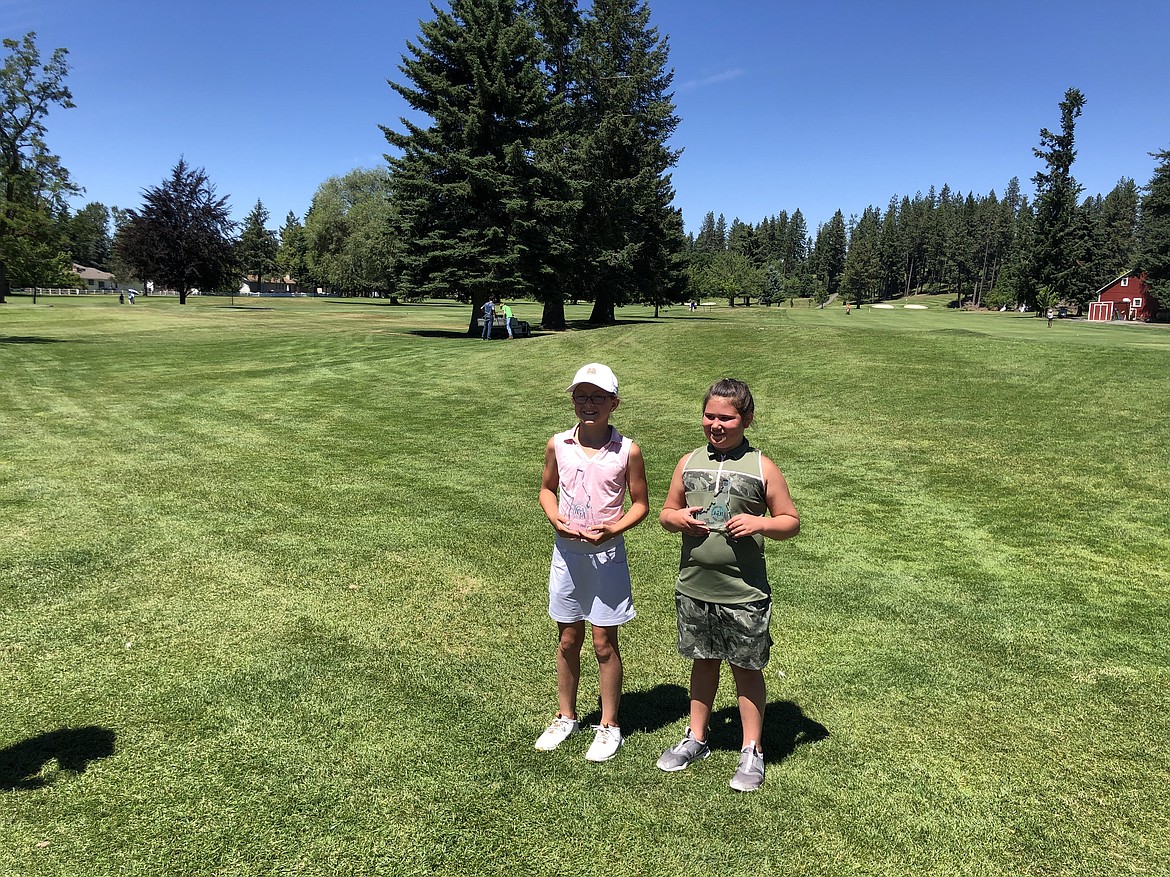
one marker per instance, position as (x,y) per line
(603,310)
(473,330)
(553,315)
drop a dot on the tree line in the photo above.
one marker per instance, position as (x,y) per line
(536,165)
(988,250)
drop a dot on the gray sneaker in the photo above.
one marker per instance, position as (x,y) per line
(679,757)
(749,776)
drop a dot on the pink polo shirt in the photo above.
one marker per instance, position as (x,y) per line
(592,489)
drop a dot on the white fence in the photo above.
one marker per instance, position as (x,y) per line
(71,290)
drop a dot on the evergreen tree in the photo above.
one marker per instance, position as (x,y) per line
(662,262)
(292,251)
(257,246)
(1115,237)
(795,245)
(1154,229)
(829,253)
(706,240)
(940,236)
(558,24)
(890,246)
(912,222)
(87,235)
(720,238)
(181,237)
(1086,238)
(1056,248)
(117,264)
(861,276)
(1013,283)
(627,227)
(984,231)
(768,239)
(741,239)
(468,188)
(773,291)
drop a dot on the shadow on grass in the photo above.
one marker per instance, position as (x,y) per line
(573,326)
(645,711)
(28,339)
(585,325)
(366,302)
(785,728)
(449,334)
(73,749)
(452,334)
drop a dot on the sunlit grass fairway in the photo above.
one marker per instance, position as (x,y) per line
(283,566)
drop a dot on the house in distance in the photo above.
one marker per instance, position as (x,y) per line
(1126,298)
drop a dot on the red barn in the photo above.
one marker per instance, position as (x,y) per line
(1126,298)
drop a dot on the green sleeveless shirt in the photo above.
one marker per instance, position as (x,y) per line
(715,567)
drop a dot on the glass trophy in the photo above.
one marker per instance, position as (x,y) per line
(579,509)
(718,511)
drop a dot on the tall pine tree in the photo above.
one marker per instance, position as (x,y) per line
(291,253)
(1154,230)
(828,255)
(1115,236)
(630,236)
(1056,247)
(257,246)
(558,25)
(861,274)
(467,186)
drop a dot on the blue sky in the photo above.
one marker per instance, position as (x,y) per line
(818,106)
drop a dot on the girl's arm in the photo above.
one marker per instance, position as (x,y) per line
(782,521)
(676,516)
(550,481)
(639,501)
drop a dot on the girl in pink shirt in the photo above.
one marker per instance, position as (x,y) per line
(587,473)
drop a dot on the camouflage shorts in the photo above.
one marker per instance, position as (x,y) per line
(732,632)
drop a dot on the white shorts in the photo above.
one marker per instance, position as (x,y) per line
(590,583)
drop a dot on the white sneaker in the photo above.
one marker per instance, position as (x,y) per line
(561,729)
(606,743)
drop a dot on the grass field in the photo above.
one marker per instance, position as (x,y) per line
(274,596)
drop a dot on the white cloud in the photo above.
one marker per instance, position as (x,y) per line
(713,79)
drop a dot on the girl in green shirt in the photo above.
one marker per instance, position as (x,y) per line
(725,499)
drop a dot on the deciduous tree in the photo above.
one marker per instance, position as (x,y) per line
(349,236)
(34,185)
